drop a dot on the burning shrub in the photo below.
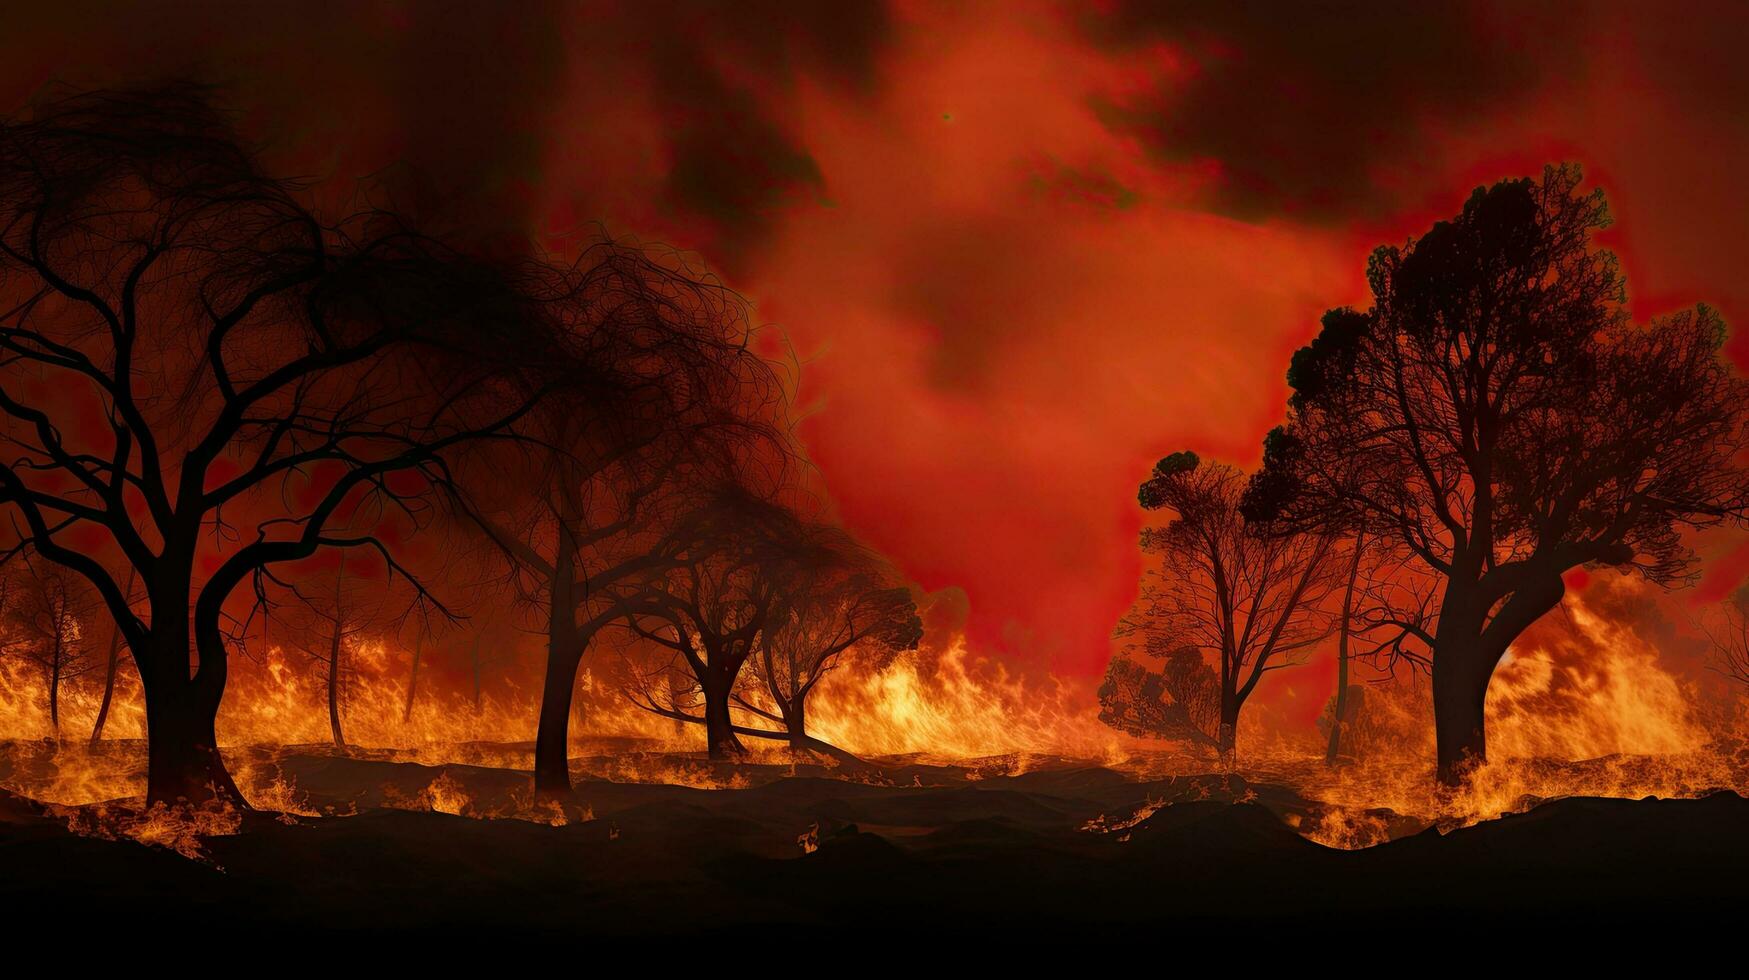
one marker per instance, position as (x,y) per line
(1181,702)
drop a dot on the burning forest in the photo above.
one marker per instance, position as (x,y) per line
(472,506)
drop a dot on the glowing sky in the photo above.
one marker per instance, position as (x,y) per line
(1023,250)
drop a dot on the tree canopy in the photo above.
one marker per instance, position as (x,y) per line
(1495,415)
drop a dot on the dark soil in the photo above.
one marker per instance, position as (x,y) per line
(1003,860)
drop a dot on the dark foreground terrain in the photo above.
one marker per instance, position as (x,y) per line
(1001,860)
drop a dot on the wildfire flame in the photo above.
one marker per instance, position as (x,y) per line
(1590,708)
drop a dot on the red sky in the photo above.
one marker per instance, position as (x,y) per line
(1023,249)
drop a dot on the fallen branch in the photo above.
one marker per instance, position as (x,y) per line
(809,742)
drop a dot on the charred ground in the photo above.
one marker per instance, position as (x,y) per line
(905,851)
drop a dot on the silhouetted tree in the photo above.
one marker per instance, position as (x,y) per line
(1264,505)
(1246,597)
(1495,417)
(50,618)
(331,611)
(716,597)
(413,679)
(413,676)
(678,400)
(1345,628)
(203,378)
(843,598)
(1727,629)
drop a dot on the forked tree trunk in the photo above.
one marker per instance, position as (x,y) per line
(183,763)
(1339,716)
(1461,671)
(795,719)
(181,711)
(334,652)
(1464,658)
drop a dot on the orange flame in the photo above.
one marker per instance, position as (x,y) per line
(1590,709)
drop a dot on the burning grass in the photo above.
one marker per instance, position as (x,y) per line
(1351,806)
(1589,709)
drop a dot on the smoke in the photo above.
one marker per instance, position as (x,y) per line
(1300,107)
(718,74)
(456,95)
(1002,236)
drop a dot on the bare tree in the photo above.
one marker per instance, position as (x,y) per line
(715,599)
(1726,626)
(205,378)
(759,586)
(842,600)
(53,615)
(1496,419)
(1247,598)
(331,611)
(680,402)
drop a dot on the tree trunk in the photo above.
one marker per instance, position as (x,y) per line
(182,754)
(181,710)
(1460,685)
(1464,657)
(795,721)
(1340,716)
(412,687)
(183,762)
(552,740)
(1226,731)
(1461,671)
(55,697)
(720,739)
(109,668)
(108,686)
(1228,741)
